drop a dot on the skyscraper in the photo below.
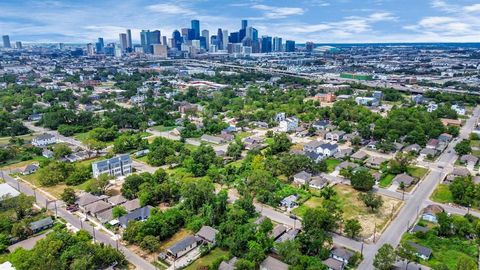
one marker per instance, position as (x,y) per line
(309,46)
(18,45)
(145,40)
(123,42)
(99,45)
(129,40)
(90,49)
(177,39)
(6,41)
(277,44)
(244,24)
(196,29)
(224,39)
(155,37)
(266,44)
(164,40)
(219,39)
(206,35)
(289,46)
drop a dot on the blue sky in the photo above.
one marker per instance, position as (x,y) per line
(321,21)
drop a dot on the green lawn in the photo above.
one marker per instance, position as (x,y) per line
(475,143)
(386,181)
(442,194)
(6,140)
(445,250)
(163,128)
(242,135)
(417,172)
(207,260)
(81,136)
(313,202)
(331,164)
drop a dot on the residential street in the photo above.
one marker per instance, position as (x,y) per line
(100,236)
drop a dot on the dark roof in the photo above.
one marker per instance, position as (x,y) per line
(44,136)
(342,253)
(421,249)
(41,223)
(182,244)
(208,233)
(86,199)
(333,264)
(140,213)
(418,228)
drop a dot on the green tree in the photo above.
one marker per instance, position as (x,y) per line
(150,243)
(281,143)
(463,147)
(372,201)
(385,258)
(119,211)
(352,228)
(61,150)
(68,196)
(362,180)
(407,252)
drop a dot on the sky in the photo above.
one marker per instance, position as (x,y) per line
(320,21)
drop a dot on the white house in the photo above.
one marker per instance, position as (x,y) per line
(116,166)
(44,140)
(459,109)
(289,124)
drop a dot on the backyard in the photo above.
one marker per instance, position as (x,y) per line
(209,259)
(442,194)
(353,208)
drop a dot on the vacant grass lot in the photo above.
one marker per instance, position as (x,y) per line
(386,181)
(353,208)
(442,194)
(445,250)
(417,172)
(6,140)
(207,260)
(163,128)
(331,164)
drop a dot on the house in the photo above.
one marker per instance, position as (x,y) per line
(288,125)
(417,99)
(138,214)
(116,166)
(289,235)
(47,153)
(212,139)
(6,191)
(97,207)
(451,122)
(313,146)
(229,265)
(207,234)
(302,178)
(432,144)
(445,137)
(341,254)
(469,159)
(278,231)
(404,178)
(359,156)
(29,169)
(459,109)
(131,205)
(317,150)
(86,198)
(333,264)
(142,153)
(106,216)
(35,117)
(270,263)
(422,252)
(182,247)
(412,148)
(321,125)
(44,140)
(336,136)
(290,201)
(375,162)
(252,143)
(318,182)
(40,225)
(345,165)
(116,200)
(432,106)
(279,117)
(327,98)
(367,101)
(343,153)
(430,212)
(457,172)
(427,152)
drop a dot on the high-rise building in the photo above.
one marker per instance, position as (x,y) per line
(155,37)
(6,41)
(61,46)
(206,35)
(196,29)
(266,44)
(99,45)
(309,46)
(244,24)
(219,40)
(289,46)
(18,45)
(224,39)
(123,42)
(177,40)
(129,40)
(90,49)
(160,50)
(234,38)
(164,40)
(277,44)
(145,40)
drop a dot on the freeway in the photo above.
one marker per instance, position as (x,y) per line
(414,204)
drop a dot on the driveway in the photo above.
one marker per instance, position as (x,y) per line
(29,243)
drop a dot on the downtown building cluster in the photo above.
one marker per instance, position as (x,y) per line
(188,42)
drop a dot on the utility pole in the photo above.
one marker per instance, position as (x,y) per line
(56,213)
(93,229)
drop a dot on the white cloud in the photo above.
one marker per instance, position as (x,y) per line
(273,12)
(171,9)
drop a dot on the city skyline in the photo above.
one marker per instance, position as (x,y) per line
(320,21)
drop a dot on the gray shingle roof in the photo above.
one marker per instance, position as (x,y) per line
(208,233)
(41,223)
(182,244)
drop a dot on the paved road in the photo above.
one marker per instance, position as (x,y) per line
(410,211)
(100,236)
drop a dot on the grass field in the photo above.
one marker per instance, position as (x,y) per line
(445,250)
(386,181)
(442,194)
(6,140)
(417,172)
(163,128)
(353,208)
(206,261)
(331,164)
